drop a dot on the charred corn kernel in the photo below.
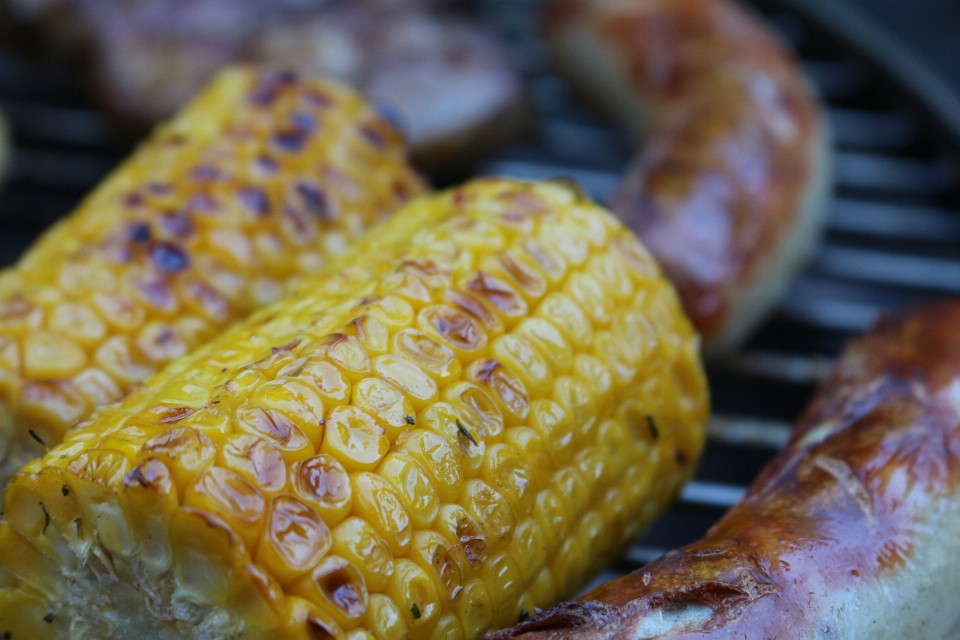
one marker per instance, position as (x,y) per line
(323,482)
(456,523)
(442,561)
(338,588)
(254,184)
(395,451)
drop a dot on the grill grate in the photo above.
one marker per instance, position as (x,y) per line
(891,239)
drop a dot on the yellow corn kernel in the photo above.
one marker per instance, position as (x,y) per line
(384,619)
(392,410)
(359,542)
(393,451)
(448,628)
(337,587)
(259,181)
(294,539)
(355,439)
(377,502)
(413,487)
(414,593)
(442,561)
(323,482)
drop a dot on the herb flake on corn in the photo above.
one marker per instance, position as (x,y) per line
(271,485)
(253,184)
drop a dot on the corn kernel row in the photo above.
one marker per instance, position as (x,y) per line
(458,421)
(256,182)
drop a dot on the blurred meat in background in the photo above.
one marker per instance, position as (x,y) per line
(450,85)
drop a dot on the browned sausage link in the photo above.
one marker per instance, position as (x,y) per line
(728,189)
(850,532)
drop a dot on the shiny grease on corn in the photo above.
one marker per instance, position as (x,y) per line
(256,182)
(459,420)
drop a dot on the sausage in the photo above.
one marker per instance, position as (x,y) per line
(729,189)
(850,532)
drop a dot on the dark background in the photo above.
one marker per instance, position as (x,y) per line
(931,28)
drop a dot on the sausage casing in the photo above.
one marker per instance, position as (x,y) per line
(850,532)
(729,187)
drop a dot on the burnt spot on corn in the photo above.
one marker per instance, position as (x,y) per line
(291,141)
(133,199)
(157,291)
(65,490)
(159,188)
(319,630)
(472,540)
(169,257)
(267,164)
(313,199)
(179,225)
(499,294)
(175,414)
(290,346)
(305,122)
(344,588)
(374,137)
(256,200)
(139,233)
(206,172)
(202,203)
(415,611)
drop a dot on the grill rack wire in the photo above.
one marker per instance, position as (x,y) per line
(892,240)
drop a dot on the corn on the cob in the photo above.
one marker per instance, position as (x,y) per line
(457,421)
(256,182)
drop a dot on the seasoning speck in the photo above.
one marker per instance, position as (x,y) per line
(65,490)
(169,258)
(524,615)
(410,420)
(463,430)
(46,519)
(653,428)
(415,610)
(49,618)
(33,434)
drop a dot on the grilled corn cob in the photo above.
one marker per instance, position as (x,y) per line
(254,183)
(456,421)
